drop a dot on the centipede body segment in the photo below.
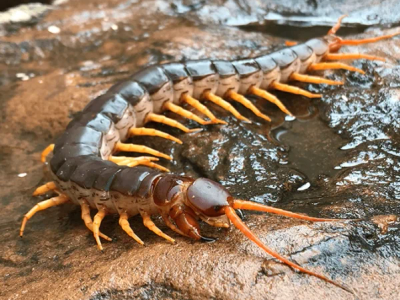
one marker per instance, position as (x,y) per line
(87,172)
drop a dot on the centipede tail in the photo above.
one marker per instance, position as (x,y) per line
(86,169)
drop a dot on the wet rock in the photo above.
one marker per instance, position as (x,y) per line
(338,158)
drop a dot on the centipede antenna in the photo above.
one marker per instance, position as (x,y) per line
(337,25)
(50,186)
(96,226)
(225,105)
(151,117)
(293,90)
(140,149)
(246,102)
(153,132)
(247,205)
(124,223)
(42,206)
(46,152)
(333,66)
(185,113)
(365,41)
(271,98)
(313,79)
(337,56)
(150,225)
(234,218)
(87,219)
(201,108)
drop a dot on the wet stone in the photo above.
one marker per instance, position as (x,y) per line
(338,158)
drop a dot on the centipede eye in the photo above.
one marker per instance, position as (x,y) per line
(207,197)
(217,207)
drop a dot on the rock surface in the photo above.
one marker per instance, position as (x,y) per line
(339,158)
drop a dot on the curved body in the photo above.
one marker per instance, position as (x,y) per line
(86,172)
(80,165)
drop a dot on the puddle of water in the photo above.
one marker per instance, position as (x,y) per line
(314,149)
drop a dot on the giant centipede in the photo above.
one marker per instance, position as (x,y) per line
(85,170)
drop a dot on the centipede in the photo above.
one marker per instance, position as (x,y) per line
(85,169)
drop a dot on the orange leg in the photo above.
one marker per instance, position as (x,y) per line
(294,90)
(201,108)
(170,122)
(225,105)
(96,226)
(234,218)
(87,219)
(150,165)
(124,223)
(150,225)
(313,79)
(290,43)
(246,102)
(136,161)
(185,113)
(271,98)
(50,186)
(141,149)
(333,66)
(153,132)
(337,56)
(46,152)
(42,206)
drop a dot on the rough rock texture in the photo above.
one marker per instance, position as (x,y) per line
(346,146)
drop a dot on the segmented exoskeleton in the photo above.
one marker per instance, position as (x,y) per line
(87,173)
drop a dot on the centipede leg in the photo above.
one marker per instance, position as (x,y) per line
(150,225)
(271,98)
(153,132)
(96,226)
(225,105)
(290,43)
(135,161)
(87,219)
(333,66)
(246,102)
(151,117)
(313,79)
(201,108)
(50,186)
(140,149)
(42,206)
(293,90)
(46,152)
(185,113)
(124,223)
